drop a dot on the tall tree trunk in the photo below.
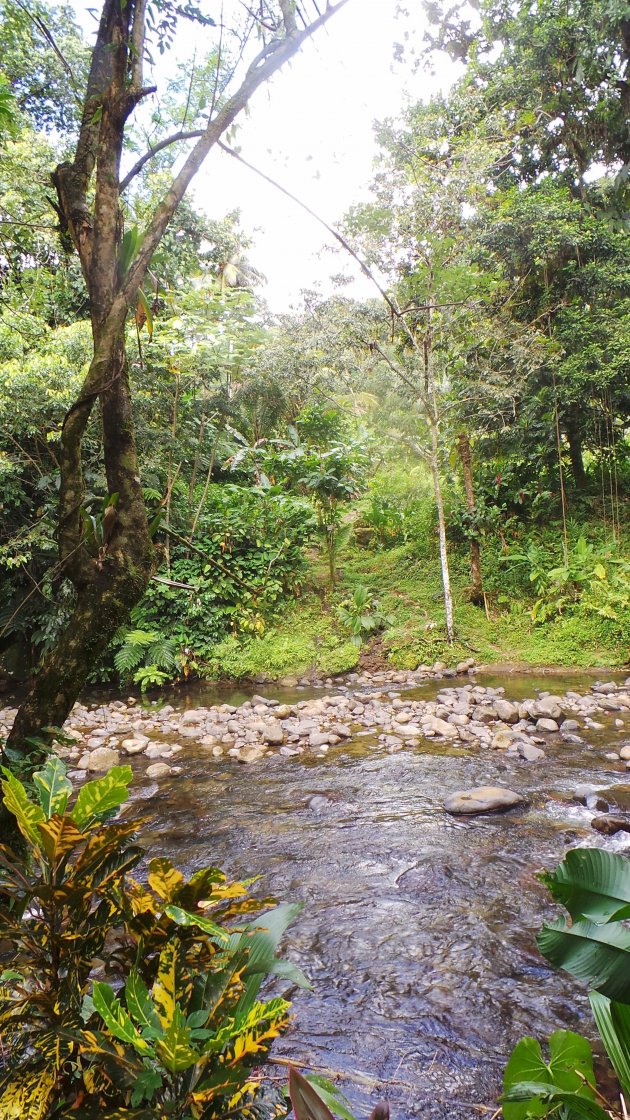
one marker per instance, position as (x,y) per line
(465,458)
(108,582)
(437,490)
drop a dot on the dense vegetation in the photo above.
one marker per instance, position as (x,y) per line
(440,471)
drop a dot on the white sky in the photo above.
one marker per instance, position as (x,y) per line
(311,130)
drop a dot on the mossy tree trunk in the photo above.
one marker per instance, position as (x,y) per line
(110,579)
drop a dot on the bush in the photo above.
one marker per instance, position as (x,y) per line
(173,1026)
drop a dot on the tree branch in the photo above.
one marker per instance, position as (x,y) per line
(176,138)
(266,63)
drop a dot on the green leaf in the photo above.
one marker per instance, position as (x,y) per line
(53,787)
(185,918)
(533,1098)
(331,1095)
(117,1019)
(306,1101)
(17,801)
(613,1024)
(592,883)
(569,1057)
(599,954)
(98,798)
(140,1006)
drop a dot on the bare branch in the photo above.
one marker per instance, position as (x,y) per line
(176,138)
(266,63)
(136,45)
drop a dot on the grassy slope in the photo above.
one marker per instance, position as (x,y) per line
(406,580)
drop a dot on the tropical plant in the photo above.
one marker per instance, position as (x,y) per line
(172,1026)
(362,616)
(594,945)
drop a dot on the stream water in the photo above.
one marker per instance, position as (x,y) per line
(418,928)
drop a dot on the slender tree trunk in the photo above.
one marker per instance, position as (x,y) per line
(465,458)
(437,490)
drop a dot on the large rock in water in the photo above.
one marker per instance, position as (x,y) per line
(483,799)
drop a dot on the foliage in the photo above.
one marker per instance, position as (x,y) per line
(176,1025)
(362,616)
(594,886)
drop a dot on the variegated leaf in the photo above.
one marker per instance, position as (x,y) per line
(141,1007)
(17,801)
(175,1049)
(164,879)
(101,796)
(59,835)
(27,1095)
(172,986)
(53,788)
(184,918)
(117,1019)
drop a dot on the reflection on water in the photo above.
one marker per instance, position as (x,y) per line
(418,928)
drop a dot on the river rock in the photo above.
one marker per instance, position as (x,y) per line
(506,711)
(624,753)
(158,770)
(546,724)
(273,734)
(529,752)
(195,715)
(318,739)
(440,727)
(609,825)
(135,745)
(250,754)
(502,740)
(482,799)
(547,707)
(103,758)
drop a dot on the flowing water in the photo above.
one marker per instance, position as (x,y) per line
(418,928)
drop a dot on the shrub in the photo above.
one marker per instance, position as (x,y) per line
(173,1026)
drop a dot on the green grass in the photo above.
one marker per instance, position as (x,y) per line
(406,580)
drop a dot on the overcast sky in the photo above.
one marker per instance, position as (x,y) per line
(311,129)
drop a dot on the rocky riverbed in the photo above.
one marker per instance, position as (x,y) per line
(418,928)
(381,706)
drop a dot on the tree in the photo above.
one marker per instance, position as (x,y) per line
(90,188)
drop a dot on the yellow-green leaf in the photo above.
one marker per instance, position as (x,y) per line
(59,835)
(27,815)
(117,1019)
(53,787)
(164,878)
(102,795)
(172,985)
(27,1095)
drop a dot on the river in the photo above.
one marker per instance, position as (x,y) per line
(418,928)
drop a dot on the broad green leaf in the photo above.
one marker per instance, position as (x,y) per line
(184,918)
(286,970)
(613,1024)
(592,883)
(174,1049)
(99,797)
(570,1065)
(117,1019)
(27,1095)
(531,1096)
(306,1101)
(17,801)
(53,787)
(261,940)
(140,1006)
(331,1095)
(164,879)
(599,954)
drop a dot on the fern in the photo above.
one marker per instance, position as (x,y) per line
(163,653)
